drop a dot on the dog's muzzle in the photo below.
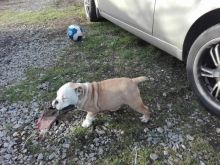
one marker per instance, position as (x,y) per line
(68,108)
(64,110)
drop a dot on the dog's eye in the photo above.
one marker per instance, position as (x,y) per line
(56,102)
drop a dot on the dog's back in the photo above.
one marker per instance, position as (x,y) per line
(113,93)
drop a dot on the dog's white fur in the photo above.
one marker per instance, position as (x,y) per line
(66,96)
(99,96)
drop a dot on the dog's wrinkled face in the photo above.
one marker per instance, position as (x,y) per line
(66,96)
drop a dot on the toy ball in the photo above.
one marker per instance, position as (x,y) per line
(75,32)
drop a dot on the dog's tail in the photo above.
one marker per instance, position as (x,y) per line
(139,79)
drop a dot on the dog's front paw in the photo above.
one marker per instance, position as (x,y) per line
(145,118)
(86,123)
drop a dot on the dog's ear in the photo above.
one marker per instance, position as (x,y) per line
(79,91)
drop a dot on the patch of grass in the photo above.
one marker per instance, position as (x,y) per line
(201,150)
(8,127)
(80,137)
(30,88)
(131,155)
(34,148)
(25,91)
(128,122)
(71,162)
(39,17)
(79,131)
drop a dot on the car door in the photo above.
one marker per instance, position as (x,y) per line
(136,13)
(173,18)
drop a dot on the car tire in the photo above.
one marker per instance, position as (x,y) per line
(91,11)
(203,68)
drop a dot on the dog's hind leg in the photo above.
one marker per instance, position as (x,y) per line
(90,117)
(139,106)
(145,118)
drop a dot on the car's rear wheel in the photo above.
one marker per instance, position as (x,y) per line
(91,11)
(203,68)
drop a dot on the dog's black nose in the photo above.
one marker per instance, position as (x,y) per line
(51,107)
(56,102)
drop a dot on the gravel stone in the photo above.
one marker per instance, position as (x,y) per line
(7,156)
(16,126)
(153,156)
(2,134)
(63,155)
(189,137)
(51,156)
(66,145)
(201,163)
(6,145)
(160,130)
(183,146)
(41,163)
(15,134)
(3,110)
(165,153)
(100,151)
(169,124)
(146,130)
(24,151)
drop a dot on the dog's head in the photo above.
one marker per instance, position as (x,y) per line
(67,95)
(67,98)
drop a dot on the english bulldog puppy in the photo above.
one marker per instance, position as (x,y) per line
(107,95)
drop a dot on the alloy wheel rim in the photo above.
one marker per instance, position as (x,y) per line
(213,72)
(206,72)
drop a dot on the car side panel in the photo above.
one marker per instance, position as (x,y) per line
(137,13)
(171,49)
(173,18)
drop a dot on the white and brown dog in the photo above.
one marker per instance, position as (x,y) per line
(107,95)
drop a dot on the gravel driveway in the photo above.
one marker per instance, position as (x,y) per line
(23,47)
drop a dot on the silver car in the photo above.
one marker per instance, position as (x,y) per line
(188,30)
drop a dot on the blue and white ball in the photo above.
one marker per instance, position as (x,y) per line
(75,32)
